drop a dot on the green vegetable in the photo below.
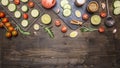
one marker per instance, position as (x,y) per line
(117,11)
(63,2)
(87,29)
(95,20)
(35,13)
(67,12)
(24,8)
(48,30)
(22,32)
(17,14)
(5,2)
(116,4)
(67,6)
(12,7)
(46,19)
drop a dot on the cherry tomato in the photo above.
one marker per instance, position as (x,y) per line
(25,16)
(58,23)
(85,16)
(1,25)
(2,14)
(10,29)
(64,29)
(14,33)
(31,4)
(17,2)
(5,20)
(7,24)
(103,14)
(8,34)
(101,29)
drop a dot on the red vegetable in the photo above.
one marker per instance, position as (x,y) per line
(64,29)
(7,24)
(5,20)
(31,4)
(57,22)
(101,29)
(10,29)
(25,16)
(14,33)
(48,3)
(8,34)
(2,14)
(17,2)
(85,16)
(103,14)
(1,25)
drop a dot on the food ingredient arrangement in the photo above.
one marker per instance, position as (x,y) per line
(75,13)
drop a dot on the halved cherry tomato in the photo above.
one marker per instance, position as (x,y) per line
(2,14)
(85,16)
(58,23)
(103,14)
(25,16)
(64,29)
(101,29)
(5,20)
(31,4)
(17,2)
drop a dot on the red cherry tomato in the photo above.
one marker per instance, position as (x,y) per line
(5,20)
(2,14)
(17,2)
(8,34)
(101,29)
(64,29)
(58,23)
(85,16)
(1,25)
(31,4)
(25,16)
(103,14)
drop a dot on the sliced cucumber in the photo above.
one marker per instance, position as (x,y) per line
(67,6)
(67,12)
(34,13)
(77,13)
(24,1)
(63,2)
(24,23)
(46,19)
(24,8)
(17,14)
(36,27)
(5,2)
(117,4)
(117,11)
(73,34)
(12,7)
(95,20)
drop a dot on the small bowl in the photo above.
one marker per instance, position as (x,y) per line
(80,2)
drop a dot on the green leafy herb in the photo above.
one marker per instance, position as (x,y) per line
(87,29)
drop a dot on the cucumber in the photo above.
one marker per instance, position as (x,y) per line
(24,23)
(24,8)
(117,11)
(77,13)
(17,14)
(63,2)
(67,6)
(67,12)
(34,13)
(116,4)
(95,20)
(36,27)
(5,2)
(12,7)
(24,1)
(73,34)
(46,19)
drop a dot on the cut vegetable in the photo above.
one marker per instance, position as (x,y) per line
(17,14)
(36,27)
(35,13)
(24,23)
(12,7)
(95,20)
(46,19)
(24,8)
(67,6)
(63,2)
(73,34)
(67,12)
(117,11)
(24,1)
(77,13)
(116,4)
(5,2)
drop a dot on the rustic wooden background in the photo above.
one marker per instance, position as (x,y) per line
(87,50)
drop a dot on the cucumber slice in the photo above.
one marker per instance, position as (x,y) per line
(34,13)
(67,12)
(17,14)
(67,6)
(95,20)
(63,2)
(46,19)
(117,4)
(77,13)
(24,23)
(73,34)
(24,1)
(24,8)
(12,7)
(5,2)
(36,27)
(117,11)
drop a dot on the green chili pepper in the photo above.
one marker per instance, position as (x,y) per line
(48,30)
(23,32)
(87,29)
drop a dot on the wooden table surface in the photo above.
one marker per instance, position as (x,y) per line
(87,50)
